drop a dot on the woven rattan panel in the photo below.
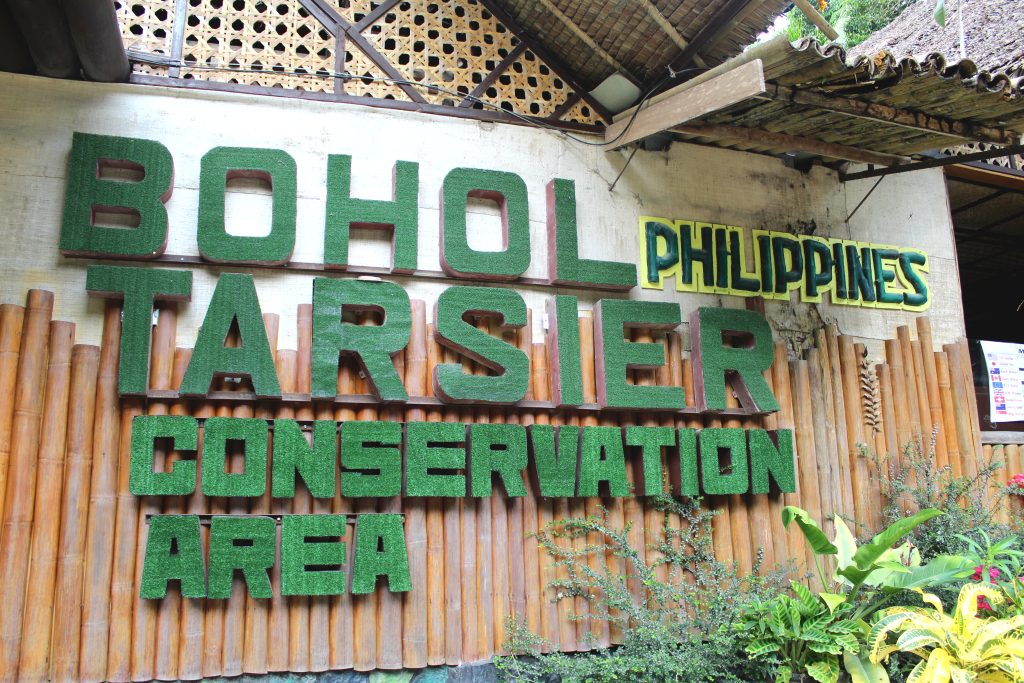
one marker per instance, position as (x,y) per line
(450,43)
(147,26)
(260,36)
(453,45)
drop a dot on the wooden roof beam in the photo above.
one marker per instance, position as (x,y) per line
(668,29)
(883,113)
(815,17)
(686,103)
(711,31)
(587,40)
(791,143)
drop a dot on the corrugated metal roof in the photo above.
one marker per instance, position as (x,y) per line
(934,86)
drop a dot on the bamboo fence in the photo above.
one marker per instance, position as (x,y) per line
(73,536)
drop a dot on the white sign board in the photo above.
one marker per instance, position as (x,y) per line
(1005,364)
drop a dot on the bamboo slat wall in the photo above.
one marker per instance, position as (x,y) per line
(73,535)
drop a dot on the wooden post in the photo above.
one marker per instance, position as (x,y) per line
(364,607)
(549,611)
(855,439)
(935,398)
(420,631)
(833,377)
(960,392)
(421,360)
(949,437)
(278,631)
(917,427)
(341,608)
(807,455)
(74,513)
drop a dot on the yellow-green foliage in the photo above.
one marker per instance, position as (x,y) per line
(965,645)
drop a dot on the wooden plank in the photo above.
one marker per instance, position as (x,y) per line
(687,103)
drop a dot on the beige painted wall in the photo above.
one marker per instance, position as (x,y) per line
(38,116)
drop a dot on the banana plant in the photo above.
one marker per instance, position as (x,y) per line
(964,646)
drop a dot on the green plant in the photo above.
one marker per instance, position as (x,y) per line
(970,503)
(1002,564)
(675,613)
(854,20)
(801,635)
(963,646)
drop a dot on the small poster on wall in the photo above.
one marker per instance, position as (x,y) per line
(1005,366)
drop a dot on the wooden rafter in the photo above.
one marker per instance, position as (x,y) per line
(792,143)
(709,32)
(668,29)
(551,60)
(493,76)
(883,113)
(585,37)
(815,17)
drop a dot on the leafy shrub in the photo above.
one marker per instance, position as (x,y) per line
(675,628)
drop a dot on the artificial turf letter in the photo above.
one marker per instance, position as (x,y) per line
(380,551)
(222,164)
(684,476)
(458,259)
(245,544)
(316,463)
(565,267)
(304,544)
(602,459)
(374,346)
(234,302)
(435,446)
(511,363)
(771,457)
(138,288)
(87,193)
(732,478)
(217,434)
(554,469)
(714,362)
(183,431)
(497,448)
(564,361)
(651,441)
(174,552)
(344,212)
(616,356)
(371,459)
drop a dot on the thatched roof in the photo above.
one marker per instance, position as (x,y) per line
(993,34)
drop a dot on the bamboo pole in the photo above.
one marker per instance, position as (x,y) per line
(960,392)
(783,383)
(33,664)
(829,479)
(901,406)
(122,586)
(807,458)
(549,614)
(910,385)
(193,611)
(29,392)
(484,528)
(935,398)
(215,610)
(972,395)
(998,454)
(739,520)
(855,439)
(834,380)
(516,507)
(168,630)
(257,610)
(421,636)
(278,630)
(389,605)
(320,605)
(765,534)
(364,607)
(74,511)
(598,630)
(341,609)
(421,359)
(533,589)
(145,612)
(891,451)
(99,541)
(1014,468)
(952,446)
(302,503)
(34,535)
(12,319)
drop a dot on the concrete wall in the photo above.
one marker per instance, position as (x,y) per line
(38,117)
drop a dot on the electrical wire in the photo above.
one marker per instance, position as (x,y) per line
(160,60)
